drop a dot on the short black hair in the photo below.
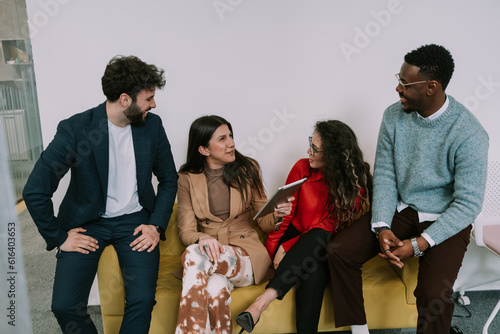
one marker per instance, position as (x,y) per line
(434,61)
(130,75)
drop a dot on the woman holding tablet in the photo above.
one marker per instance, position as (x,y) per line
(218,188)
(336,192)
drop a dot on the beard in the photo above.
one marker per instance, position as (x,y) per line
(135,115)
(405,106)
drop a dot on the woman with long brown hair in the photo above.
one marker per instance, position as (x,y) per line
(336,191)
(218,188)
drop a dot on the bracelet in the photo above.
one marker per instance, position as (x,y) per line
(416,251)
(380,229)
(278,224)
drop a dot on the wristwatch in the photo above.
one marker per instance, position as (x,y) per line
(380,229)
(416,251)
(159,229)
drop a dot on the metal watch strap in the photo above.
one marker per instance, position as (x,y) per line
(416,251)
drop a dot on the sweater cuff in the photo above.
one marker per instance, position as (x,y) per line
(428,239)
(379,224)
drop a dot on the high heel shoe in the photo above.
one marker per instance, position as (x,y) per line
(245,320)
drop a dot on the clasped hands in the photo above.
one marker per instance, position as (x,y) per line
(81,243)
(395,250)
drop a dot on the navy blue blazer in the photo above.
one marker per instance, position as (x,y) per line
(82,145)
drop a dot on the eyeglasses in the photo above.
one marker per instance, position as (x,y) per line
(405,85)
(312,147)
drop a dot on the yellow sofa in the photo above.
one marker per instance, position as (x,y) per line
(388,294)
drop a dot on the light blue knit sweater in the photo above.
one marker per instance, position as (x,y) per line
(434,166)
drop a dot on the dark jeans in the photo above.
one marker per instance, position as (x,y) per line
(438,270)
(304,266)
(75,273)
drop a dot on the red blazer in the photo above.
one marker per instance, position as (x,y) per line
(310,208)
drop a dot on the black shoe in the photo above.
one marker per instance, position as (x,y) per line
(245,320)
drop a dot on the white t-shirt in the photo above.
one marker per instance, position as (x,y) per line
(122,179)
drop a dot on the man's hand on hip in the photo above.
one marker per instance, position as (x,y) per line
(78,242)
(148,239)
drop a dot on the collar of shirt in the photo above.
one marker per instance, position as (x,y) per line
(439,112)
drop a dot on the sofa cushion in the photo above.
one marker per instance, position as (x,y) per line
(386,295)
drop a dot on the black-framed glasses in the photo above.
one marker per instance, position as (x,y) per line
(405,85)
(313,148)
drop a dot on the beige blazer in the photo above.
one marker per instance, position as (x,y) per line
(195,220)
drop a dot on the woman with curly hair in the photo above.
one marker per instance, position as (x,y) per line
(218,188)
(336,192)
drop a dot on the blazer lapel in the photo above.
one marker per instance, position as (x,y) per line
(200,189)
(99,139)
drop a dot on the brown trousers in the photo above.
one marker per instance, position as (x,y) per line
(438,270)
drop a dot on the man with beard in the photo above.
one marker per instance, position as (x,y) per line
(429,182)
(112,151)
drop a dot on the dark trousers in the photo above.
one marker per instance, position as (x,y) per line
(304,266)
(438,270)
(75,273)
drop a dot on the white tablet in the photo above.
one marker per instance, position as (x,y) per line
(280,196)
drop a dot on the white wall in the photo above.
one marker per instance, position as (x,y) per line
(272,68)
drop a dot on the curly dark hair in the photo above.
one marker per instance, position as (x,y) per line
(345,171)
(434,61)
(130,75)
(242,174)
